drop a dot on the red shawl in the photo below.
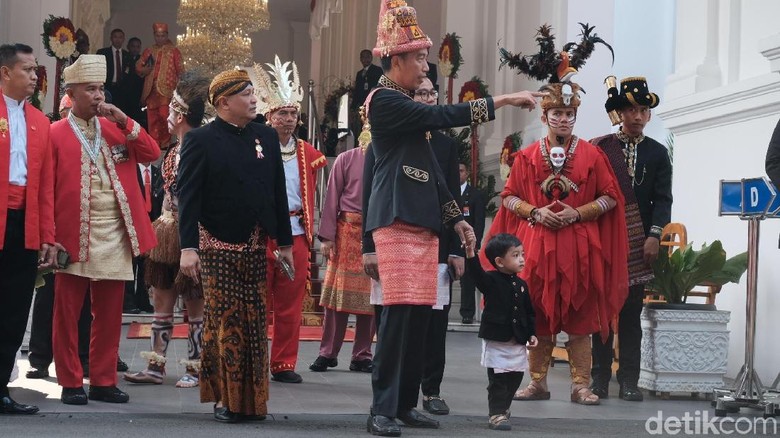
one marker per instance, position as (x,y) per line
(583,261)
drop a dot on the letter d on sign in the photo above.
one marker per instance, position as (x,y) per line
(753,197)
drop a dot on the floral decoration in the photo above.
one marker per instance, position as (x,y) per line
(472,90)
(511,145)
(449,56)
(59,37)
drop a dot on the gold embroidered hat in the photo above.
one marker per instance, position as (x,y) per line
(633,91)
(398,31)
(160,27)
(87,68)
(283,91)
(228,83)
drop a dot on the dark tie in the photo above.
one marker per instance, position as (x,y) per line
(148,190)
(117,66)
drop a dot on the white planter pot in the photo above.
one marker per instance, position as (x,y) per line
(683,350)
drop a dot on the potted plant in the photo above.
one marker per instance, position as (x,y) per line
(685,345)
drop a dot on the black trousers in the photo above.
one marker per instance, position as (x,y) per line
(435,352)
(41,354)
(630,335)
(467,296)
(501,388)
(397,366)
(18,268)
(136,292)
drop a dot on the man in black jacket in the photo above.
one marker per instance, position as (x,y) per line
(118,64)
(365,79)
(406,206)
(644,172)
(232,194)
(474,204)
(451,261)
(773,157)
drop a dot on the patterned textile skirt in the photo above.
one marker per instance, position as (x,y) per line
(161,268)
(638,271)
(408,258)
(346,286)
(234,359)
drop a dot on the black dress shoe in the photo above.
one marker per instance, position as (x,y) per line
(37,373)
(630,392)
(225,415)
(131,311)
(109,394)
(9,406)
(287,377)
(467,321)
(600,388)
(383,426)
(363,366)
(413,418)
(74,396)
(121,366)
(322,363)
(436,405)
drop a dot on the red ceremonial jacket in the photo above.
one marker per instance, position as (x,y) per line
(39,203)
(123,149)
(310,160)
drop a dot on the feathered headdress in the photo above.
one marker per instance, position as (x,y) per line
(279,92)
(549,65)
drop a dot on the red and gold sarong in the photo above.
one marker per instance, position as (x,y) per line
(408,258)
(346,286)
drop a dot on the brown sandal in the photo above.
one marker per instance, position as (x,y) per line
(584,396)
(533,391)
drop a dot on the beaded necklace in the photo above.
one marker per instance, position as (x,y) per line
(631,152)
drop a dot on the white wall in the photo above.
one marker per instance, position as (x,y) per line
(21,21)
(722,104)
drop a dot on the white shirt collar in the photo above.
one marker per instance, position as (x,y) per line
(463,187)
(13,103)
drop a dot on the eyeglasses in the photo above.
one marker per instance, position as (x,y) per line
(425,94)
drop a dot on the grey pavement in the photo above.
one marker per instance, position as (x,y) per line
(333,404)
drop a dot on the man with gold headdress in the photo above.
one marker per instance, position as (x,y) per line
(280,104)
(232,198)
(406,206)
(573,232)
(161,66)
(644,171)
(101,221)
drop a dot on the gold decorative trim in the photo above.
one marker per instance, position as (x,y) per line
(304,180)
(86,192)
(449,211)
(316,163)
(416,174)
(135,131)
(121,198)
(386,82)
(479,111)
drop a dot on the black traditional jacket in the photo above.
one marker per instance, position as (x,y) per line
(403,180)
(230,180)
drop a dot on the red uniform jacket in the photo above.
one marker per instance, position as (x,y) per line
(39,203)
(310,160)
(123,150)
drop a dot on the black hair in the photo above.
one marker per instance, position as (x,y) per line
(499,245)
(386,63)
(113,31)
(9,52)
(193,88)
(366,51)
(134,39)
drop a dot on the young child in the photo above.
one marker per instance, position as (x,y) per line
(508,322)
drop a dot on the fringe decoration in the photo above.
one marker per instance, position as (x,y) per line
(168,249)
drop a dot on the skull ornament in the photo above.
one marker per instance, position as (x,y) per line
(557,157)
(567,93)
